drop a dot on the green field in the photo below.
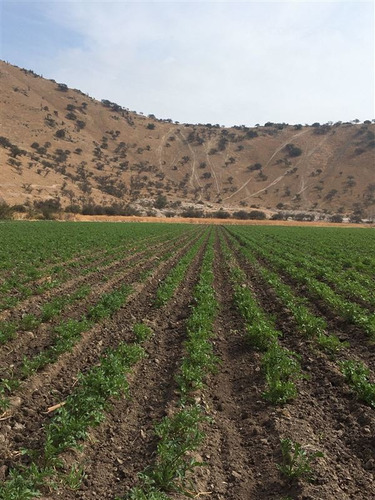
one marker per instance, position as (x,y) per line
(154,361)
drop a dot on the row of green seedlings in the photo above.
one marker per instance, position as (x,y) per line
(61,273)
(40,244)
(83,409)
(51,309)
(137,249)
(280,366)
(353,285)
(351,312)
(33,251)
(167,288)
(181,434)
(356,373)
(350,251)
(68,333)
(309,325)
(337,267)
(65,336)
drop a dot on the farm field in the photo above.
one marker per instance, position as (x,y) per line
(156,361)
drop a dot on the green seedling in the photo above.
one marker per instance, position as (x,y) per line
(109,303)
(331,343)
(146,494)
(29,322)
(282,370)
(7,331)
(74,477)
(142,332)
(25,483)
(296,460)
(178,435)
(357,374)
(86,405)
(175,277)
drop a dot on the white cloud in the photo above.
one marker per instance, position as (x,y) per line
(222,62)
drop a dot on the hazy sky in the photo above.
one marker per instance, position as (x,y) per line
(204,62)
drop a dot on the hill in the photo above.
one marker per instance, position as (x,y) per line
(60,147)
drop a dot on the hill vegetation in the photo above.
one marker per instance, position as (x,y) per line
(63,150)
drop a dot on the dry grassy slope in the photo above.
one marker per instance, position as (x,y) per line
(117,158)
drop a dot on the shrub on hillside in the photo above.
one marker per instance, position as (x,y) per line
(192,212)
(221,214)
(241,214)
(62,87)
(293,150)
(257,215)
(6,212)
(336,218)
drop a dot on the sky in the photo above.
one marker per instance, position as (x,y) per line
(226,62)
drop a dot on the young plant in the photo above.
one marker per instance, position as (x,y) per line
(73,479)
(356,374)
(109,303)
(178,435)
(85,406)
(7,331)
(177,274)
(282,370)
(29,322)
(142,332)
(296,460)
(330,343)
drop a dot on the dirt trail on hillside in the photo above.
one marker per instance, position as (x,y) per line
(275,181)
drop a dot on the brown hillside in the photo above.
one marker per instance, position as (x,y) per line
(59,143)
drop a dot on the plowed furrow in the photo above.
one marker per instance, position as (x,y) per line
(240,443)
(326,415)
(24,427)
(30,343)
(125,443)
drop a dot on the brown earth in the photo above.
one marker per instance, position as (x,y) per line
(80,151)
(209,221)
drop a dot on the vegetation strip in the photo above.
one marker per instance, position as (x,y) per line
(177,274)
(66,244)
(60,274)
(84,408)
(356,373)
(280,365)
(309,325)
(350,311)
(47,470)
(181,433)
(66,335)
(48,311)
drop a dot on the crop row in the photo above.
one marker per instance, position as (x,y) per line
(27,279)
(181,433)
(318,290)
(86,405)
(68,331)
(312,327)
